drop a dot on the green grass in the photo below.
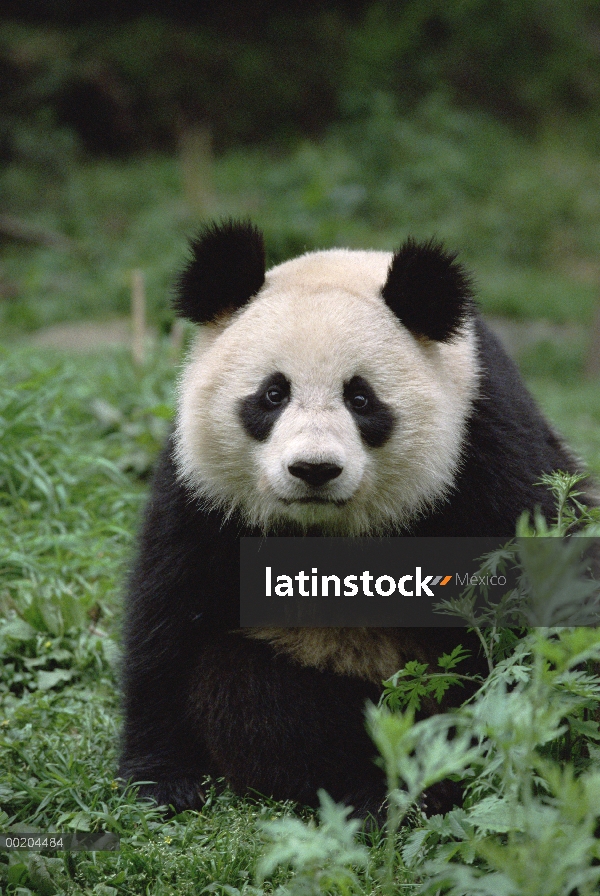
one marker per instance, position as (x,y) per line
(575,408)
(62,473)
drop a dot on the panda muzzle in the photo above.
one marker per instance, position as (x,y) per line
(315,474)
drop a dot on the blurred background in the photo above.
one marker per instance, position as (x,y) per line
(124,125)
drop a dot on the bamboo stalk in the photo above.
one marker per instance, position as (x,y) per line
(138,317)
(176,339)
(196,161)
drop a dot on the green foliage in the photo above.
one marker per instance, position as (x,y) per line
(323,858)
(553,582)
(416,755)
(522,213)
(528,822)
(572,516)
(411,684)
(575,407)
(119,216)
(122,87)
(63,484)
(513,59)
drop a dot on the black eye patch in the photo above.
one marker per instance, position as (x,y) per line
(373,417)
(260,411)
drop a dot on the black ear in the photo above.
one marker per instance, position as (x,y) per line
(428,290)
(226,269)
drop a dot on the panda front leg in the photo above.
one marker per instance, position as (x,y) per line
(276,728)
(159,746)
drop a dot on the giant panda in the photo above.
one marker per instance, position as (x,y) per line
(340,393)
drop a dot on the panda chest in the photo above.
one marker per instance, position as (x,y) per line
(367,653)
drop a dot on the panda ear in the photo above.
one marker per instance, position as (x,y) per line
(226,269)
(428,290)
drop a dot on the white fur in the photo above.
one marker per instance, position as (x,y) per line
(320,320)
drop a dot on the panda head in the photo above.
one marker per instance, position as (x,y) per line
(331,392)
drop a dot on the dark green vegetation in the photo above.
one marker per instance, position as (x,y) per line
(129,75)
(472,121)
(475,122)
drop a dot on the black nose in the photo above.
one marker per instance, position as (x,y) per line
(315,474)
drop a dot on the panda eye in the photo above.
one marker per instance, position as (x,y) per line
(359,402)
(275,395)
(359,397)
(260,410)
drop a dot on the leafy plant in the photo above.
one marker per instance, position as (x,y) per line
(323,858)
(411,684)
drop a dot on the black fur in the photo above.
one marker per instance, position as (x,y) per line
(202,699)
(428,290)
(259,411)
(509,445)
(226,269)
(374,418)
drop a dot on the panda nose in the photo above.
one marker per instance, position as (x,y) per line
(315,474)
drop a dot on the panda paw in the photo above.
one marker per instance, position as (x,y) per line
(177,794)
(437,800)
(441,798)
(369,809)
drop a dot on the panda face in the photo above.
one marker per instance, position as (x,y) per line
(315,405)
